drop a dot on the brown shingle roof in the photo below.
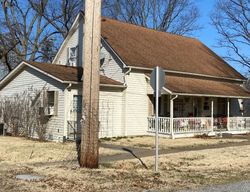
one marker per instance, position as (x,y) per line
(192,85)
(142,47)
(67,73)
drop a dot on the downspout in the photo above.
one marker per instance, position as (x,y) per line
(126,73)
(172,115)
(66,110)
(69,86)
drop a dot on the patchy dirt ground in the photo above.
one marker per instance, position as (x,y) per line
(188,169)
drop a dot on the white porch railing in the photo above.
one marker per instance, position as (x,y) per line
(239,123)
(192,125)
(199,124)
(163,126)
(181,125)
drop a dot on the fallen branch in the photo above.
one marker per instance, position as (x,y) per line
(132,153)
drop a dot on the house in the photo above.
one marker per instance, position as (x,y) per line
(202,94)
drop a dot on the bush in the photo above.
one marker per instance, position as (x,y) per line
(23,116)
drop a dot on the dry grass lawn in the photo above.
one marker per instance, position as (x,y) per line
(186,169)
(19,150)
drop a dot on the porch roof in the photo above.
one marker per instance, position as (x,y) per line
(185,85)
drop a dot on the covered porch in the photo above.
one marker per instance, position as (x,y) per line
(190,106)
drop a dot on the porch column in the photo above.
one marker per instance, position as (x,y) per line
(172,115)
(212,115)
(228,113)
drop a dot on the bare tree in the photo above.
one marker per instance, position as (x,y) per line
(232,21)
(7,54)
(34,28)
(175,16)
(59,13)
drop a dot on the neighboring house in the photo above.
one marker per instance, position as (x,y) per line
(203,94)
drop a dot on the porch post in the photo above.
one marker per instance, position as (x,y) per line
(171,117)
(212,115)
(228,113)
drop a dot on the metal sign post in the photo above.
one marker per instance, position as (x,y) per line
(157,80)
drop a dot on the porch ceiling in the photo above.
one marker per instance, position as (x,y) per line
(184,85)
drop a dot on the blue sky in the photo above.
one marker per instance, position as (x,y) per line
(208,35)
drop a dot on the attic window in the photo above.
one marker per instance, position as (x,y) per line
(72,56)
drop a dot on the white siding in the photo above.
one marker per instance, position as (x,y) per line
(30,78)
(136,104)
(110,67)
(111,115)
(110,111)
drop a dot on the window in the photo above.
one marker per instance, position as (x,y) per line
(72,55)
(51,107)
(77,103)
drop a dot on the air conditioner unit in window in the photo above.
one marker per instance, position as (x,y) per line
(49,111)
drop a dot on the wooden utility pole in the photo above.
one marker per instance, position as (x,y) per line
(89,154)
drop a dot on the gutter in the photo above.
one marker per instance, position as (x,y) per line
(205,95)
(72,82)
(124,77)
(69,86)
(175,97)
(115,86)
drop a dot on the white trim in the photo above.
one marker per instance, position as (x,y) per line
(12,73)
(114,52)
(208,95)
(110,85)
(72,82)
(167,90)
(188,73)
(43,72)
